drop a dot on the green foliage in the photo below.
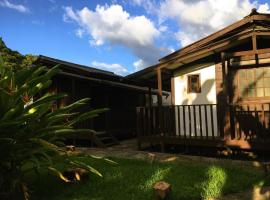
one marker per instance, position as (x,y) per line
(31,135)
(14,59)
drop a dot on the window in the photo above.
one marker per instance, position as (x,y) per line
(194,83)
(253,83)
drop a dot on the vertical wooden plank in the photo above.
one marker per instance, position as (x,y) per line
(206,120)
(154,124)
(143,121)
(212,121)
(184,119)
(179,120)
(189,121)
(146,119)
(174,120)
(195,121)
(263,117)
(139,128)
(200,114)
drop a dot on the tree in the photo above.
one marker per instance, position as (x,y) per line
(14,59)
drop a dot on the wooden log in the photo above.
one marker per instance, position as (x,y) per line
(162,190)
(70,148)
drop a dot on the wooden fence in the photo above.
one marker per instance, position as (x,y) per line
(250,121)
(188,121)
(247,121)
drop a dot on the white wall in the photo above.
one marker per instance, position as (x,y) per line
(208,88)
(207,96)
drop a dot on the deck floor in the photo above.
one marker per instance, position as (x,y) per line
(258,144)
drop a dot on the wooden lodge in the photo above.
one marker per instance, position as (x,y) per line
(106,90)
(220,90)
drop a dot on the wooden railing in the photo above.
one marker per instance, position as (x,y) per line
(250,121)
(188,121)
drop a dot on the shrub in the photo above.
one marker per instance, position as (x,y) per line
(31,134)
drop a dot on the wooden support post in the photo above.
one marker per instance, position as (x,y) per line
(159,80)
(255,50)
(150,114)
(227,114)
(172,91)
(173,121)
(160,114)
(150,97)
(160,117)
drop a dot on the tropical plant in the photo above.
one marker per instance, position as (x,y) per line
(31,134)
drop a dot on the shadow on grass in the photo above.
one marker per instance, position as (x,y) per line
(133,179)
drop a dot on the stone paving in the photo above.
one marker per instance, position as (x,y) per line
(128,149)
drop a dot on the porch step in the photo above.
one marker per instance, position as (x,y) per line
(104,139)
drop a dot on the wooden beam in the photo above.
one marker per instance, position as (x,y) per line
(247,53)
(112,83)
(205,51)
(262,33)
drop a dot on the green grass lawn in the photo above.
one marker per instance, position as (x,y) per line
(133,179)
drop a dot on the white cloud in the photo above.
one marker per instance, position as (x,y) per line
(116,68)
(197,19)
(139,65)
(264,8)
(18,7)
(79,33)
(114,26)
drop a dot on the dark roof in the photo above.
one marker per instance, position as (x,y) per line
(94,75)
(84,68)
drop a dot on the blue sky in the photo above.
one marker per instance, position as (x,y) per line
(116,35)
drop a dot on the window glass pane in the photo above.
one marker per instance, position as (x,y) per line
(243,83)
(243,92)
(251,84)
(242,74)
(259,82)
(267,72)
(266,82)
(259,73)
(267,92)
(250,74)
(194,83)
(251,93)
(260,92)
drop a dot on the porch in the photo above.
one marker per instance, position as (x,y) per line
(243,126)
